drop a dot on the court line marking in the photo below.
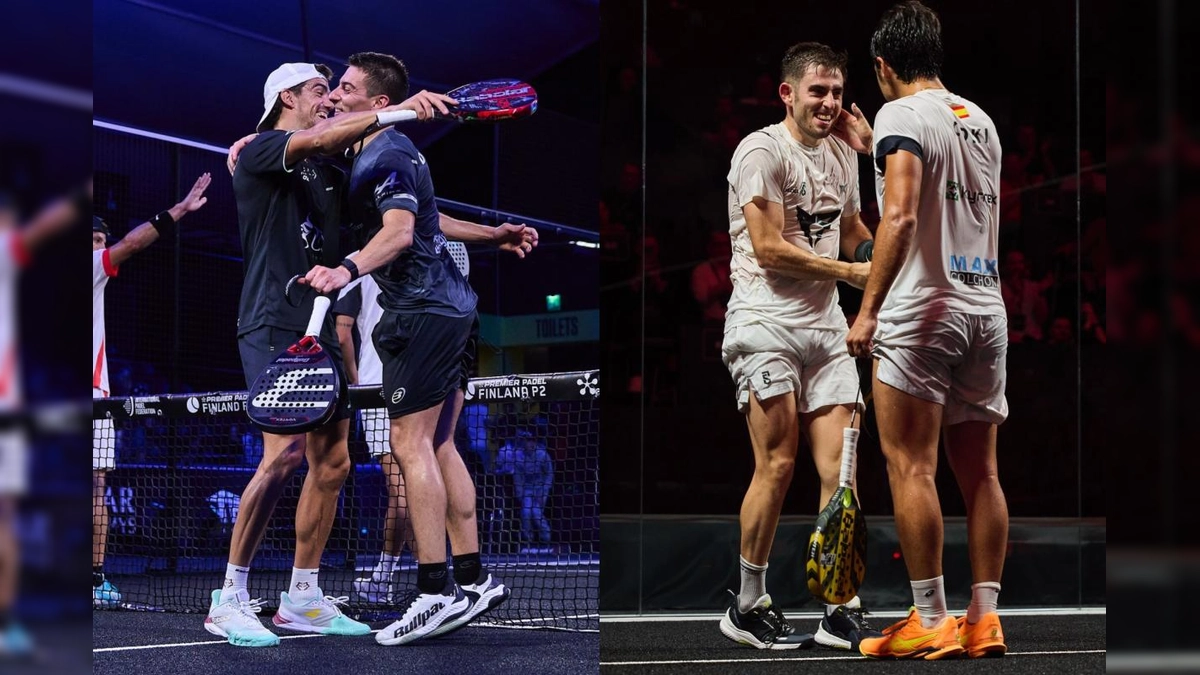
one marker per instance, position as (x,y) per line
(508,625)
(821,658)
(888,614)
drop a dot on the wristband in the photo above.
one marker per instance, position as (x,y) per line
(349,264)
(864,251)
(163,222)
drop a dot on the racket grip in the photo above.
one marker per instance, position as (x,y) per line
(320,307)
(849,456)
(389,118)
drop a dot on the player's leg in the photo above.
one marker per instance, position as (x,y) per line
(767,377)
(14,641)
(304,607)
(483,589)
(975,407)
(104,593)
(379,585)
(910,380)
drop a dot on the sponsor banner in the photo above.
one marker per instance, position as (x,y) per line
(571,386)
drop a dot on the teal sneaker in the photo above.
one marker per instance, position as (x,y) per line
(236,620)
(319,615)
(105,595)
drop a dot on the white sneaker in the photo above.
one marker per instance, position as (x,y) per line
(376,589)
(237,620)
(423,615)
(318,615)
(484,596)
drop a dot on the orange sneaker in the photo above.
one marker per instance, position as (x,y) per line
(985,638)
(908,639)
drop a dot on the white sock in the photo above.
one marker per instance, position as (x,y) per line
(235,580)
(754,584)
(387,565)
(983,600)
(304,585)
(930,598)
(852,603)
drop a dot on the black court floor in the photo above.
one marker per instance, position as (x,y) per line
(137,643)
(1056,644)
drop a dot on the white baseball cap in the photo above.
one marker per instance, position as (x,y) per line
(282,78)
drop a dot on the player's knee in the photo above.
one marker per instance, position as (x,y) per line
(331,472)
(283,465)
(779,468)
(97,481)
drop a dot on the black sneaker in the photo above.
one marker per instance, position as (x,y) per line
(764,627)
(845,628)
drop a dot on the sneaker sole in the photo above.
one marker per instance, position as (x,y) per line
(987,651)
(301,627)
(494,600)
(742,637)
(238,641)
(827,639)
(425,630)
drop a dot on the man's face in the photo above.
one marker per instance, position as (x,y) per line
(815,101)
(1060,330)
(313,105)
(99,241)
(351,92)
(884,78)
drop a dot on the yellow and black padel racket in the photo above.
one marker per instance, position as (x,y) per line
(837,549)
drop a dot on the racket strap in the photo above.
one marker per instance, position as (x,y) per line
(849,456)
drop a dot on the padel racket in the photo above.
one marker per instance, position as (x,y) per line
(487,101)
(298,391)
(837,549)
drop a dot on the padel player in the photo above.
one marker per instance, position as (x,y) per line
(793,209)
(934,319)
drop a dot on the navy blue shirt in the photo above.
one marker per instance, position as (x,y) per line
(391,174)
(282,213)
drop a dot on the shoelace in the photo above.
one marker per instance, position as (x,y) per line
(782,626)
(251,607)
(333,602)
(859,617)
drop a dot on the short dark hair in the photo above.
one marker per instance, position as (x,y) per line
(801,56)
(909,39)
(386,75)
(270,120)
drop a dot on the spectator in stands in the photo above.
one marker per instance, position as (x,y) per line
(526,460)
(1023,298)
(711,285)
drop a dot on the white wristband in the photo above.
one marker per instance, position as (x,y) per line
(389,118)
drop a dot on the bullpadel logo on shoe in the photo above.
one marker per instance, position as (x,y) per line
(419,620)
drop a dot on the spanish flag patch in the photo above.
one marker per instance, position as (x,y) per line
(960,110)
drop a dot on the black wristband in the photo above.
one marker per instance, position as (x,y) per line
(864,251)
(349,264)
(163,222)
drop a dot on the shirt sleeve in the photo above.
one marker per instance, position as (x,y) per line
(756,172)
(395,180)
(898,128)
(102,266)
(266,153)
(349,303)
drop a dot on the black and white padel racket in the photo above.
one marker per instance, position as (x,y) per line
(299,391)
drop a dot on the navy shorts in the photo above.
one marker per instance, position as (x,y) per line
(425,357)
(260,346)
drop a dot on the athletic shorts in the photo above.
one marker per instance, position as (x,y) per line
(425,357)
(104,441)
(14,463)
(957,360)
(377,430)
(260,346)
(772,360)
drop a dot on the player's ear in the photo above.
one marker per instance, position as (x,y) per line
(785,92)
(381,101)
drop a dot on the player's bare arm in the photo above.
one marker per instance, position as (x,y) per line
(857,244)
(764,222)
(56,217)
(897,228)
(148,232)
(335,134)
(391,240)
(519,239)
(345,327)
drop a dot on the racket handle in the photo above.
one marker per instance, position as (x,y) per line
(389,118)
(320,307)
(849,456)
